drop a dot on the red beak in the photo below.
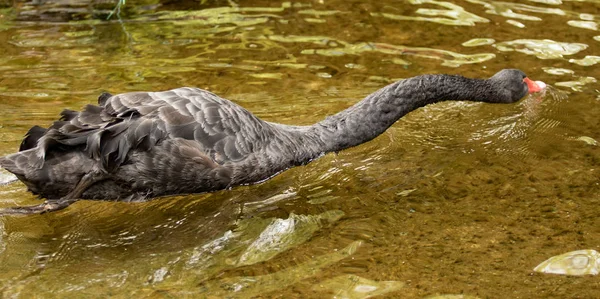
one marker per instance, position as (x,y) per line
(533,86)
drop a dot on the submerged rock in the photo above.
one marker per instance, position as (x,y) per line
(355,287)
(283,234)
(588,140)
(2,245)
(451,296)
(251,286)
(580,262)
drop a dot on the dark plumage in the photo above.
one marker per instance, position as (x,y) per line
(139,145)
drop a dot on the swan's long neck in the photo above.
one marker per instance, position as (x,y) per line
(378,111)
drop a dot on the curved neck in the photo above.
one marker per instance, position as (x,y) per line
(372,116)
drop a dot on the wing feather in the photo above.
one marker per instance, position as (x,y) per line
(140,120)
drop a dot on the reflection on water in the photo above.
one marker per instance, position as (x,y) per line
(542,49)
(577,85)
(558,71)
(514,10)
(586,61)
(452,15)
(456,198)
(478,42)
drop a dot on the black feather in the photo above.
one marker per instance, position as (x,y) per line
(68,115)
(31,138)
(103,98)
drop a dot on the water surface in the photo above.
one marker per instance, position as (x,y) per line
(455,198)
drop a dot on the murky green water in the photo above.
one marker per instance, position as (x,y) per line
(454,198)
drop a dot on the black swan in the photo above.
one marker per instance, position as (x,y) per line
(140,145)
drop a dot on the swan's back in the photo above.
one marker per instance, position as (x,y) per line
(144,139)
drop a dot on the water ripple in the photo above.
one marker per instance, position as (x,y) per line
(340,48)
(516,24)
(476,42)
(454,15)
(542,49)
(584,24)
(508,10)
(586,61)
(558,71)
(577,85)
(514,135)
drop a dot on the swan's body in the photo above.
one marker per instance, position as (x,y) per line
(139,145)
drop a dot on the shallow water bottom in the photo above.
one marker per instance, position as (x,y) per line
(459,224)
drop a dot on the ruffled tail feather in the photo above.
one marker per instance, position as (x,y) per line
(21,163)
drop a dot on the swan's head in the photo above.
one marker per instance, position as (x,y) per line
(512,85)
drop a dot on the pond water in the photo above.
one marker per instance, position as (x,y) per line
(455,198)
